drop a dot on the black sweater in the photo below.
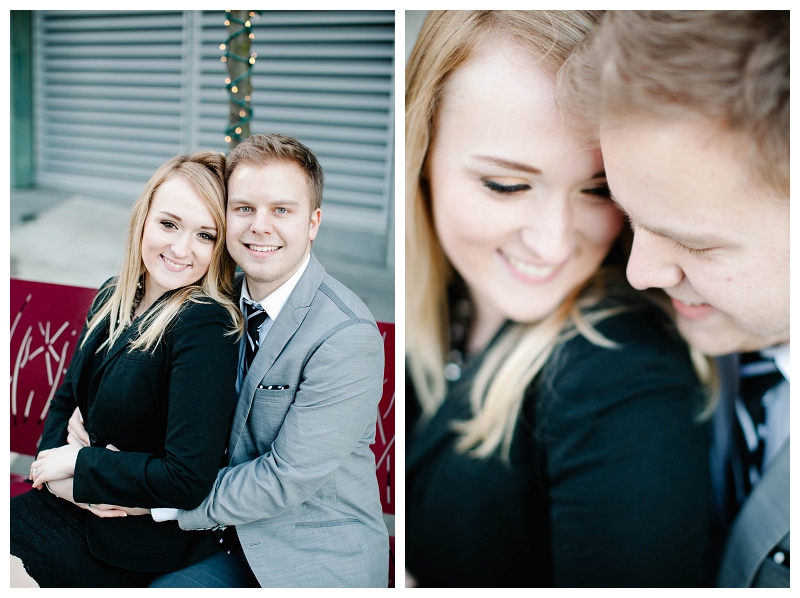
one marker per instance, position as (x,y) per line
(608,481)
(168,413)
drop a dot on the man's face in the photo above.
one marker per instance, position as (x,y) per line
(715,241)
(270,224)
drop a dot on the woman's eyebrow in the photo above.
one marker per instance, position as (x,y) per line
(178,218)
(510,164)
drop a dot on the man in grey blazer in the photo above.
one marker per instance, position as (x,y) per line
(691,110)
(298,500)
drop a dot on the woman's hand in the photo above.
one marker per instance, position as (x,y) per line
(54,464)
(76,432)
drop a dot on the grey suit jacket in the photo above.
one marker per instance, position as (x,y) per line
(300,486)
(762,524)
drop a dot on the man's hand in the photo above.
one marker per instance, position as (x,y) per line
(54,464)
(63,489)
(101,510)
(76,432)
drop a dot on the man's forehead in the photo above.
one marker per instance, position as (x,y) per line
(286,180)
(285,168)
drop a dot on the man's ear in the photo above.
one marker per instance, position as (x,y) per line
(313,224)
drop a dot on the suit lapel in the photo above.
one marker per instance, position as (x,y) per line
(762,523)
(131,332)
(437,430)
(283,329)
(122,343)
(722,454)
(86,354)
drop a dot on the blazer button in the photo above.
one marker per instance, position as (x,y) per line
(93,438)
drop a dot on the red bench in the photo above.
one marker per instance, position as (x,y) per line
(46,320)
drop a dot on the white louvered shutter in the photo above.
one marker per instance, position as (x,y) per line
(119,92)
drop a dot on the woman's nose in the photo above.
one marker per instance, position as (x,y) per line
(181,246)
(548,231)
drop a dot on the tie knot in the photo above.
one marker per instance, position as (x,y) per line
(255,315)
(757,374)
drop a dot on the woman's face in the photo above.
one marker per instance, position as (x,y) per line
(178,238)
(520,207)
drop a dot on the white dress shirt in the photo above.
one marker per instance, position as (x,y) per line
(776,405)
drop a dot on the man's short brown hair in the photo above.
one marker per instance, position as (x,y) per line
(264,149)
(729,66)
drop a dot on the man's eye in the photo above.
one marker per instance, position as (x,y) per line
(690,250)
(281,210)
(245,209)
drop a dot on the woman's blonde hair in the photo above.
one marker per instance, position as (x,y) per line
(447,41)
(205,170)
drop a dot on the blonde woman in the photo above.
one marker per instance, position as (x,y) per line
(154,376)
(551,417)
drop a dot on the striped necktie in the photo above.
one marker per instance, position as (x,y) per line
(757,374)
(256,316)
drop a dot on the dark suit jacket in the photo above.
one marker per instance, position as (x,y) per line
(607,484)
(168,412)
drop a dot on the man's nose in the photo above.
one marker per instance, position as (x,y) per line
(262,223)
(651,263)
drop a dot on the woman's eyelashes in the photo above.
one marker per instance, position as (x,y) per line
(504,189)
(598,189)
(203,235)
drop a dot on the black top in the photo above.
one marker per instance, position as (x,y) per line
(607,484)
(168,412)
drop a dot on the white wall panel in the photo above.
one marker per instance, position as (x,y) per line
(119,92)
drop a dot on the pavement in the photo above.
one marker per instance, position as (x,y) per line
(78,240)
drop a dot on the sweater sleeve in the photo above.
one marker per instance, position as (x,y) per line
(626,461)
(201,396)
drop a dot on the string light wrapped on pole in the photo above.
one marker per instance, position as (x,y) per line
(239,62)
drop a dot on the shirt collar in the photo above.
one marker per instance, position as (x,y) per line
(274,302)
(780,353)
